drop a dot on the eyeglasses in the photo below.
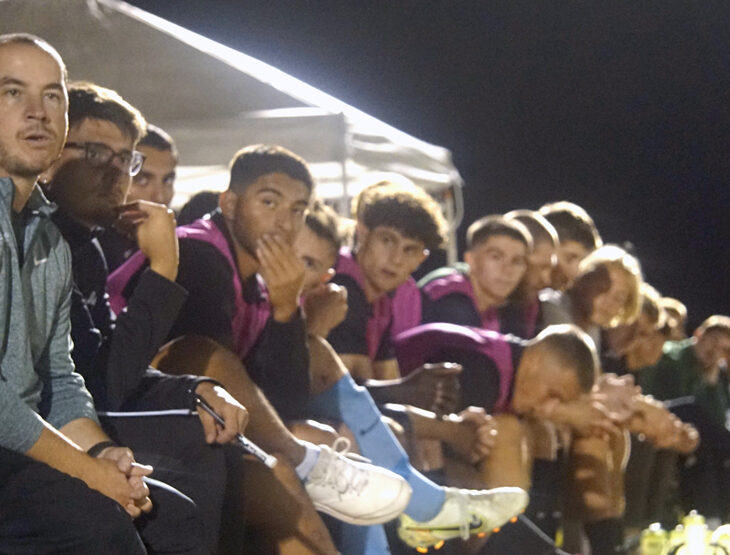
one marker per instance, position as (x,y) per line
(98,155)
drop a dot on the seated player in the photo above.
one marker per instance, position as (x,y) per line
(259,217)
(471,295)
(692,375)
(397,222)
(396,225)
(496,261)
(546,390)
(578,237)
(604,294)
(521,316)
(437,512)
(647,338)
(155,183)
(676,325)
(88,183)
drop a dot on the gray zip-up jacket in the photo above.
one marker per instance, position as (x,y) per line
(37,378)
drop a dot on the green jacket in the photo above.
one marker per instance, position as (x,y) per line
(678,374)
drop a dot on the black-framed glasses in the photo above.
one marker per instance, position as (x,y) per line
(99,154)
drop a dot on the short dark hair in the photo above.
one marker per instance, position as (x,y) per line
(573,348)
(496,224)
(718,323)
(197,206)
(38,42)
(324,223)
(157,138)
(255,161)
(87,100)
(404,206)
(572,224)
(540,229)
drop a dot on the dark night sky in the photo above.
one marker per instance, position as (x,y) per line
(621,107)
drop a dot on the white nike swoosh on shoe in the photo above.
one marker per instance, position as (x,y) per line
(38,261)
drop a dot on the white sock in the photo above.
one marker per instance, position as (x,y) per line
(310,459)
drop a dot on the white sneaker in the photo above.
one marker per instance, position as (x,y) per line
(464,512)
(355,492)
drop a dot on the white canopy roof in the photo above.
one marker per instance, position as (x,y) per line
(213,99)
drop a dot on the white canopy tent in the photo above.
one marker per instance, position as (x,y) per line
(213,100)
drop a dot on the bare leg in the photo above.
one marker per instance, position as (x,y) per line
(313,432)
(596,477)
(278,509)
(288,517)
(325,367)
(509,463)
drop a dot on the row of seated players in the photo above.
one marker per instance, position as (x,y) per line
(67,486)
(236,318)
(88,186)
(508,259)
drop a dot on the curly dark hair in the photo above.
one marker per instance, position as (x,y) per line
(405,207)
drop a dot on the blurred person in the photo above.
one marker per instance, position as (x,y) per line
(154,183)
(578,237)
(651,472)
(438,512)
(694,366)
(604,294)
(676,324)
(89,183)
(521,315)
(647,340)
(691,376)
(472,294)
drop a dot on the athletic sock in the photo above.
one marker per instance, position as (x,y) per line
(606,536)
(348,402)
(364,540)
(311,454)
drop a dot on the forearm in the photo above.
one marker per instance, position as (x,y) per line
(426,425)
(60,452)
(84,432)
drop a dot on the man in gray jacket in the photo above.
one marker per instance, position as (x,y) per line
(59,473)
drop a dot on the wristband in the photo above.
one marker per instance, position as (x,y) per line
(192,393)
(96,449)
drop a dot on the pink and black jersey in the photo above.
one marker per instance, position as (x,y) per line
(486,356)
(369,328)
(449,297)
(234,312)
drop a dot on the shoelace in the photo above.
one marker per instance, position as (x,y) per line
(341,475)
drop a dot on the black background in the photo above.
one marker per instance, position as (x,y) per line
(621,107)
